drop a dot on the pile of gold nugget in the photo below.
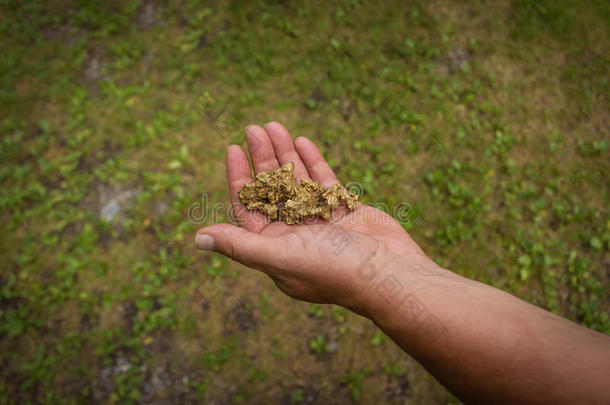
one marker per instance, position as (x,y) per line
(276,194)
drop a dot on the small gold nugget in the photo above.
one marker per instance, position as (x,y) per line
(276,194)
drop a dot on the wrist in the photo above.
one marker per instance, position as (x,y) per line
(384,281)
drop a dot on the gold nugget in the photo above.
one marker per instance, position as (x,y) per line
(276,194)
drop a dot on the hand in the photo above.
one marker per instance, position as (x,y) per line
(318,261)
(460,330)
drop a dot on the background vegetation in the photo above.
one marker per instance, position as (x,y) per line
(490,119)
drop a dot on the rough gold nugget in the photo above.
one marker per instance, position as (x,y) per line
(276,194)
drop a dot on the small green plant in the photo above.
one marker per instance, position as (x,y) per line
(394,370)
(319,345)
(274,348)
(315,310)
(340,314)
(378,338)
(213,360)
(353,381)
(592,148)
(297,396)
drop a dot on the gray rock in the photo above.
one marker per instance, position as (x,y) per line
(114,202)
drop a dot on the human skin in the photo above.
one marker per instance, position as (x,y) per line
(481,343)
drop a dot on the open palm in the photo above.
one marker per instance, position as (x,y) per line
(315,261)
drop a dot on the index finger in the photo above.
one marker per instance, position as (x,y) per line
(238,174)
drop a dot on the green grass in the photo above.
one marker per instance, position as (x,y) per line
(490,121)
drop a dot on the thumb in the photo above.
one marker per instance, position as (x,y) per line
(239,244)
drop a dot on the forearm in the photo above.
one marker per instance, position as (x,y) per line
(484,344)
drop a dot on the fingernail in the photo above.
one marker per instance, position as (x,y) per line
(205,242)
